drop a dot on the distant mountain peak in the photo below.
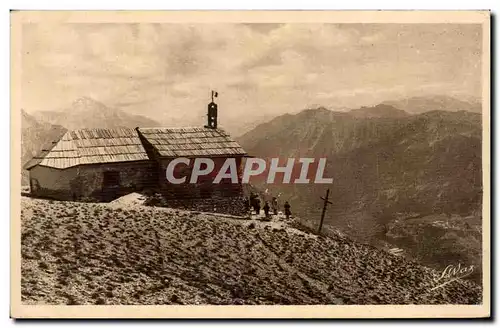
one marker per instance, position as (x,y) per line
(86,112)
(421,104)
(87,103)
(85,99)
(318,110)
(378,111)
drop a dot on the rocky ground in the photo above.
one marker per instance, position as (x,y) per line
(126,253)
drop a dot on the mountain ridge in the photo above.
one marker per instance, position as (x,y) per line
(378,111)
(384,170)
(86,112)
(421,104)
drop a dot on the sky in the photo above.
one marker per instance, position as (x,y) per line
(166,71)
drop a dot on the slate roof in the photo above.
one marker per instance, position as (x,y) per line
(191,142)
(92,146)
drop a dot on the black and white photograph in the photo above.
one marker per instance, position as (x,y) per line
(210,159)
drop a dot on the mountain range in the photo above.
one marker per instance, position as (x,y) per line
(88,113)
(393,161)
(418,105)
(387,169)
(41,127)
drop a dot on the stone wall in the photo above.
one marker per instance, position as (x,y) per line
(132,177)
(86,182)
(205,188)
(51,182)
(234,205)
(201,190)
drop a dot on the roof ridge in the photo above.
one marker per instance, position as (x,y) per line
(92,146)
(115,128)
(179,127)
(216,142)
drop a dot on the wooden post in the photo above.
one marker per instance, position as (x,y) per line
(325,204)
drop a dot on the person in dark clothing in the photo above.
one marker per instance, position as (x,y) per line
(246,204)
(287,210)
(253,201)
(274,205)
(257,206)
(266,209)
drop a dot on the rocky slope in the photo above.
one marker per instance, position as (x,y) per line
(385,169)
(77,253)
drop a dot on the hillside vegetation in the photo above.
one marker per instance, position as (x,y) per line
(78,253)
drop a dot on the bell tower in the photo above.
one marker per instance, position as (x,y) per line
(212,113)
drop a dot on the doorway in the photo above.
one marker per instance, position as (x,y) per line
(110,185)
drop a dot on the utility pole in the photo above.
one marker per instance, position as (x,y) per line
(325,204)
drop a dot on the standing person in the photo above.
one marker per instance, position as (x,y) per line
(287,210)
(274,205)
(257,206)
(253,201)
(246,205)
(266,209)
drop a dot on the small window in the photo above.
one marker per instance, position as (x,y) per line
(206,188)
(111,178)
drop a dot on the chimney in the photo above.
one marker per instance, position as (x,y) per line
(212,113)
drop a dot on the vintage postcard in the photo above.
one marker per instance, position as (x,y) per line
(250,164)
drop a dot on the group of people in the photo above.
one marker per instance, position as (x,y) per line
(254,203)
